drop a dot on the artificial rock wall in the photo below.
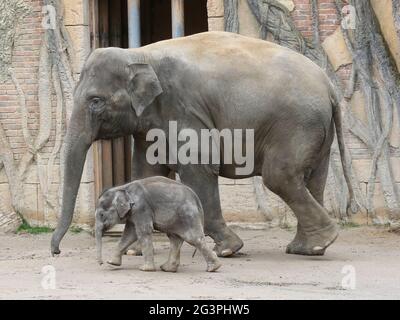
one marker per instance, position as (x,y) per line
(238,198)
(25,60)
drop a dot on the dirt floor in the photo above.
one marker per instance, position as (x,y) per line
(261,271)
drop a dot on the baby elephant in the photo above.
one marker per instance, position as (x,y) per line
(153,203)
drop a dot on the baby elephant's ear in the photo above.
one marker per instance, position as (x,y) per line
(121,203)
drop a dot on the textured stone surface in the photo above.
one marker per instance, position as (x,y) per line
(384,13)
(222,180)
(248,24)
(289,4)
(30,210)
(395,134)
(76,12)
(3,177)
(239,204)
(358,106)
(336,50)
(32,174)
(216,24)
(396,168)
(80,37)
(248,181)
(5,196)
(362,167)
(88,169)
(379,200)
(45,212)
(85,205)
(215,8)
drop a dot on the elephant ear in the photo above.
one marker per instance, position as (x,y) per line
(122,203)
(143,86)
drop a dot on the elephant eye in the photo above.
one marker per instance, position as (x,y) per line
(96,104)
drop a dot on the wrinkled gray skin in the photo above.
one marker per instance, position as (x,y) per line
(214,80)
(154,203)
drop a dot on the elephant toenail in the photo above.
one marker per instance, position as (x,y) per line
(226,252)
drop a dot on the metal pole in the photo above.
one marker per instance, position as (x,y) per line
(134,23)
(134,40)
(178,18)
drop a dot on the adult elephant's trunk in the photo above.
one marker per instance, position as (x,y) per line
(99,235)
(77,144)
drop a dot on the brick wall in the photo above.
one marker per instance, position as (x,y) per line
(328,18)
(25,65)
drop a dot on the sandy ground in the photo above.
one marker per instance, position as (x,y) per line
(261,271)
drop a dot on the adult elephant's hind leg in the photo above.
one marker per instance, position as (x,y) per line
(317,181)
(205,184)
(316,185)
(142,169)
(316,231)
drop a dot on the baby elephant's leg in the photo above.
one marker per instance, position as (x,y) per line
(210,256)
(146,242)
(134,249)
(174,254)
(128,237)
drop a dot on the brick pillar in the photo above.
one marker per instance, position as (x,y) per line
(215,11)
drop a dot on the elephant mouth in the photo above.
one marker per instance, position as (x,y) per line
(106,227)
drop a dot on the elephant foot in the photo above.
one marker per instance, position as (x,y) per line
(169,267)
(148,267)
(214,266)
(134,252)
(230,244)
(55,242)
(313,243)
(116,261)
(55,252)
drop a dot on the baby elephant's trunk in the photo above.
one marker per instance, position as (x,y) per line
(99,235)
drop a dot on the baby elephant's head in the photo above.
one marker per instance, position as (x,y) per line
(113,207)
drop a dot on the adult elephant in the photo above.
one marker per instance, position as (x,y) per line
(214,80)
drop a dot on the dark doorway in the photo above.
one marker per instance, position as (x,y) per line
(196,19)
(155,21)
(112,158)
(109,28)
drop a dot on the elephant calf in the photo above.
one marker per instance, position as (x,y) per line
(153,203)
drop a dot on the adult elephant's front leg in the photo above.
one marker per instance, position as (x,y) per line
(205,184)
(141,168)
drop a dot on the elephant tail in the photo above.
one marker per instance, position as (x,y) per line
(337,117)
